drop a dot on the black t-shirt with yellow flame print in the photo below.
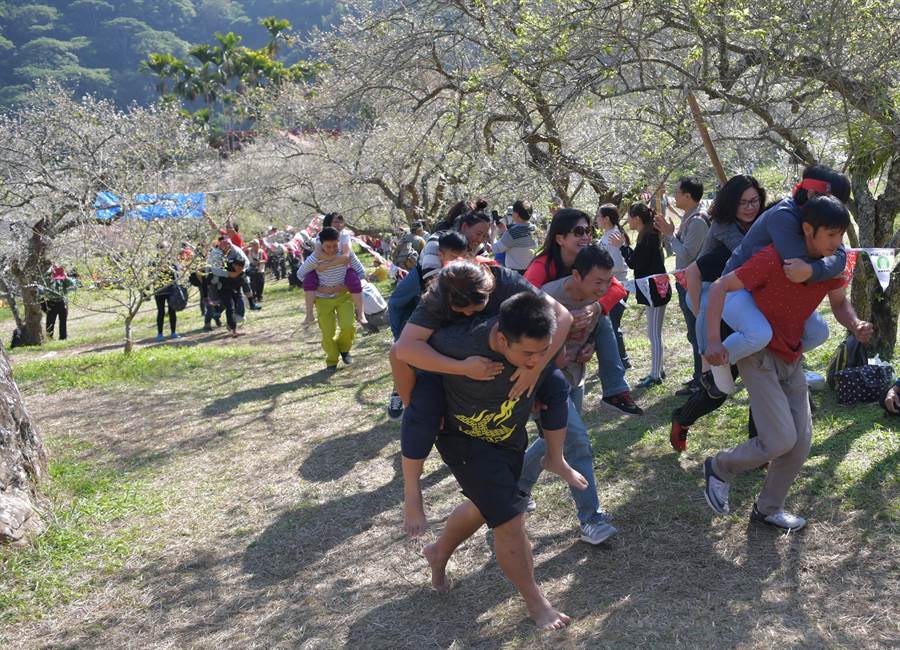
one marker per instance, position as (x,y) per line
(482,409)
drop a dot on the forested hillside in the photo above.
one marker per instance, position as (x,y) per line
(97,45)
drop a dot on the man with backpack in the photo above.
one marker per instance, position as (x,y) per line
(410,246)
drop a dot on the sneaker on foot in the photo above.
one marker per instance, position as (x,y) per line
(597,533)
(532,505)
(781,519)
(395,406)
(347,357)
(330,369)
(649,381)
(678,436)
(688,388)
(160,337)
(174,335)
(709,385)
(716,491)
(207,328)
(724,381)
(624,403)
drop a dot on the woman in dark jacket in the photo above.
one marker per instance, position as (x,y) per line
(646,259)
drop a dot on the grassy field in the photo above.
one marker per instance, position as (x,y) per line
(215,493)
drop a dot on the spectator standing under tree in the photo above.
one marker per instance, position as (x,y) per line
(686,242)
(607,221)
(258,259)
(518,242)
(56,301)
(646,259)
(164,277)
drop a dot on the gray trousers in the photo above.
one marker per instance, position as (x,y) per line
(780,403)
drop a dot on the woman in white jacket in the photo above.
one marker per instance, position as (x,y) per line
(607,221)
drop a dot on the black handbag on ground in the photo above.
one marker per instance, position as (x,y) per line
(862,383)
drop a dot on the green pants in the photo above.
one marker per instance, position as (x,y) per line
(336,313)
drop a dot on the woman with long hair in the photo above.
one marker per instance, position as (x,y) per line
(736,207)
(607,222)
(646,259)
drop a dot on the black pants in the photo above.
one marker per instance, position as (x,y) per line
(162,302)
(615,317)
(277,262)
(57,310)
(691,322)
(700,404)
(257,284)
(228,297)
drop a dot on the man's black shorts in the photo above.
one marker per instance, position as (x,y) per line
(487,474)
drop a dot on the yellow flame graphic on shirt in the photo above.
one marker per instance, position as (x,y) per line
(489,426)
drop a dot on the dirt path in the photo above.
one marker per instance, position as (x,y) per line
(281,529)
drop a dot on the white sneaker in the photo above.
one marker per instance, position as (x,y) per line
(724,380)
(597,533)
(716,491)
(781,519)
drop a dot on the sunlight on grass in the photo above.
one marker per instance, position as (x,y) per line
(144,366)
(85,503)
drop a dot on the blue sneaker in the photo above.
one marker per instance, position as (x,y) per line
(160,338)
(174,335)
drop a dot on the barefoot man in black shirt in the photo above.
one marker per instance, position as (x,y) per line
(484,440)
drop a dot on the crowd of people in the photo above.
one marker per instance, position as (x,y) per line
(493,323)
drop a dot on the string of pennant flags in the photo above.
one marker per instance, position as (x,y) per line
(883,262)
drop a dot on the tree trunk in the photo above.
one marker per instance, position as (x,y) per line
(129,339)
(23,462)
(881,308)
(875,219)
(29,275)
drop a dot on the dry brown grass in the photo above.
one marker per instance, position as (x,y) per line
(281,528)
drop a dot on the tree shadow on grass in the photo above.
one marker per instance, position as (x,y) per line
(301,536)
(334,458)
(227,404)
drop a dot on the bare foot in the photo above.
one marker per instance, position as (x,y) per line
(565,471)
(547,617)
(439,580)
(414,522)
(235,334)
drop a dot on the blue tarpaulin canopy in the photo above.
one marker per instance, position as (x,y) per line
(152,206)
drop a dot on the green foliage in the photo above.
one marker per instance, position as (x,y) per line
(146,366)
(98,45)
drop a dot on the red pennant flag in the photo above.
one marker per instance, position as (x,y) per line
(662,285)
(680,277)
(851,265)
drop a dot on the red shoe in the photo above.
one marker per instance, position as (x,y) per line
(678,437)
